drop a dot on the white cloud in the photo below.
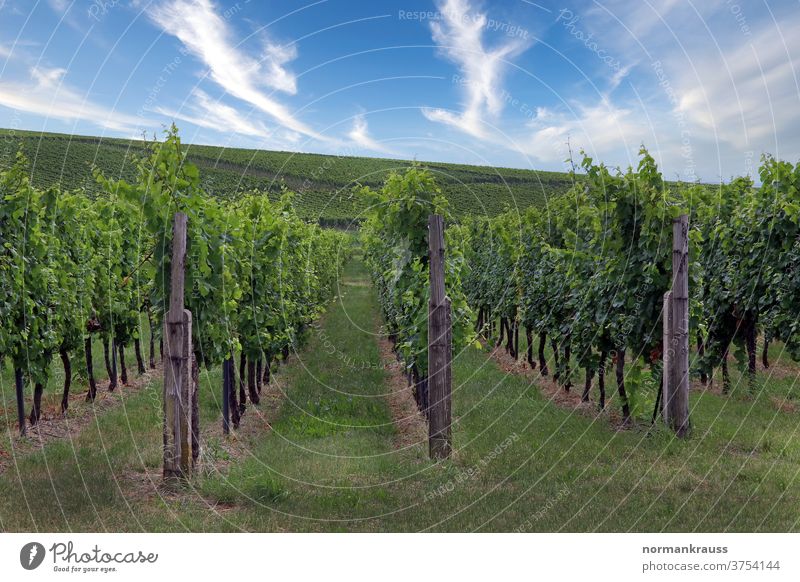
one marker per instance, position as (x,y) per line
(359,134)
(47,77)
(751,94)
(275,57)
(59,5)
(719,79)
(49,96)
(460,37)
(212,114)
(601,129)
(641,19)
(618,77)
(208,37)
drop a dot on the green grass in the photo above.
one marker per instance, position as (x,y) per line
(323,183)
(328,464)
(777,386)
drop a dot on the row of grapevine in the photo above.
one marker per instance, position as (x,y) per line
(751,281)
(72,267)
(589,272)
(395,241)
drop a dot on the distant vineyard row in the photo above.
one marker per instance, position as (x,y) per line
(323,183)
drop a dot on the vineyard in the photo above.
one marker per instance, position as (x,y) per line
(311,369)
(82,269)
(590,274)
(323,184)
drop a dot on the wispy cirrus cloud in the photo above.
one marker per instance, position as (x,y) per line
(459,36)
(359,134)
(719,81)
(203,111)
(59,6)
(750,94)
(47,95)
(207,36)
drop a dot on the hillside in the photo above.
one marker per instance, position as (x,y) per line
(323,183)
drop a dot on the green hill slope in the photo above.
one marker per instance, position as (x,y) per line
(323,183)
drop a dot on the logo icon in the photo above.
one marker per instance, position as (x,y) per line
(31,555)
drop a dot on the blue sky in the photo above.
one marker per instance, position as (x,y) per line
(706,86)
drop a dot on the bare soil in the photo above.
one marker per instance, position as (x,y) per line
(411,428)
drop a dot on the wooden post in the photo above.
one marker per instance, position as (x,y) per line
(668,357)
(678,397)
(178,383)
(19,380)
(227,385)
(439,346)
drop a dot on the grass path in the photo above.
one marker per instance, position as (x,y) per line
(54,425)
(331,461)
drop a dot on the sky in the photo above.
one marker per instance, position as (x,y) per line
(707,86)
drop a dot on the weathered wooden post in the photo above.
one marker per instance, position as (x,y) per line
(19,381)
(439,346)
(668,357)
(227,386)
(676,315)
(178,383)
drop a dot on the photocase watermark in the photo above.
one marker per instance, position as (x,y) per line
(9,143)
(570,22)
(100,8)
(509,29)
(234,10)
(31,555)
(69,560)
(549,504)
(738,14)
(680,120)
(507,98)
(558,143)
(749,163)
(330,348)
(514,103)
(330,162)
(632,316)
(166,72)
(473,471)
